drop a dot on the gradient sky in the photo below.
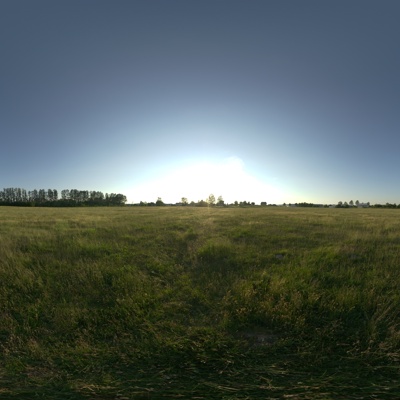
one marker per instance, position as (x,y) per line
(277,101)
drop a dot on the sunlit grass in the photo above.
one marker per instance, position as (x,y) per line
(223,303)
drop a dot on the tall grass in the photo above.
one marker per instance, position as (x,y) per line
(102,301)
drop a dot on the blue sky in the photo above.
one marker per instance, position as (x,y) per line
(277,101)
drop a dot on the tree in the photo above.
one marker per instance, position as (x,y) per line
(357,203)
(184,201)
(351,203)
(159,202)
(65,194)
(74,195)
(51,195)
(24,196)
(83,196)
(211,200)
(34,195)
(115,199)
(220,201)
(42,195)
(202,203)
(18,195)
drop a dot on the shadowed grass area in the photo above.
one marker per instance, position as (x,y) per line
(113,303)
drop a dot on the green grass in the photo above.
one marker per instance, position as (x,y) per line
(180,302)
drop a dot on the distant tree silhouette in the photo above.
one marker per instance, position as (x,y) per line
(202,203)
(211,200)
(49,198)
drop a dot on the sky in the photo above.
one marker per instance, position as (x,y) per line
(259,100)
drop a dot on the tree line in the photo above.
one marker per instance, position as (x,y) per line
(212,201)
(50,198)
(75,197)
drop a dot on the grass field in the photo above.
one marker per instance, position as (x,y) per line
(199,303)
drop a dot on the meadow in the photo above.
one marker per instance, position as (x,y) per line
(199,303)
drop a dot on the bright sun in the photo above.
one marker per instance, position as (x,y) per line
(195,182)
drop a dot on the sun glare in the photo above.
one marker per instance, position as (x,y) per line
(195,182)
